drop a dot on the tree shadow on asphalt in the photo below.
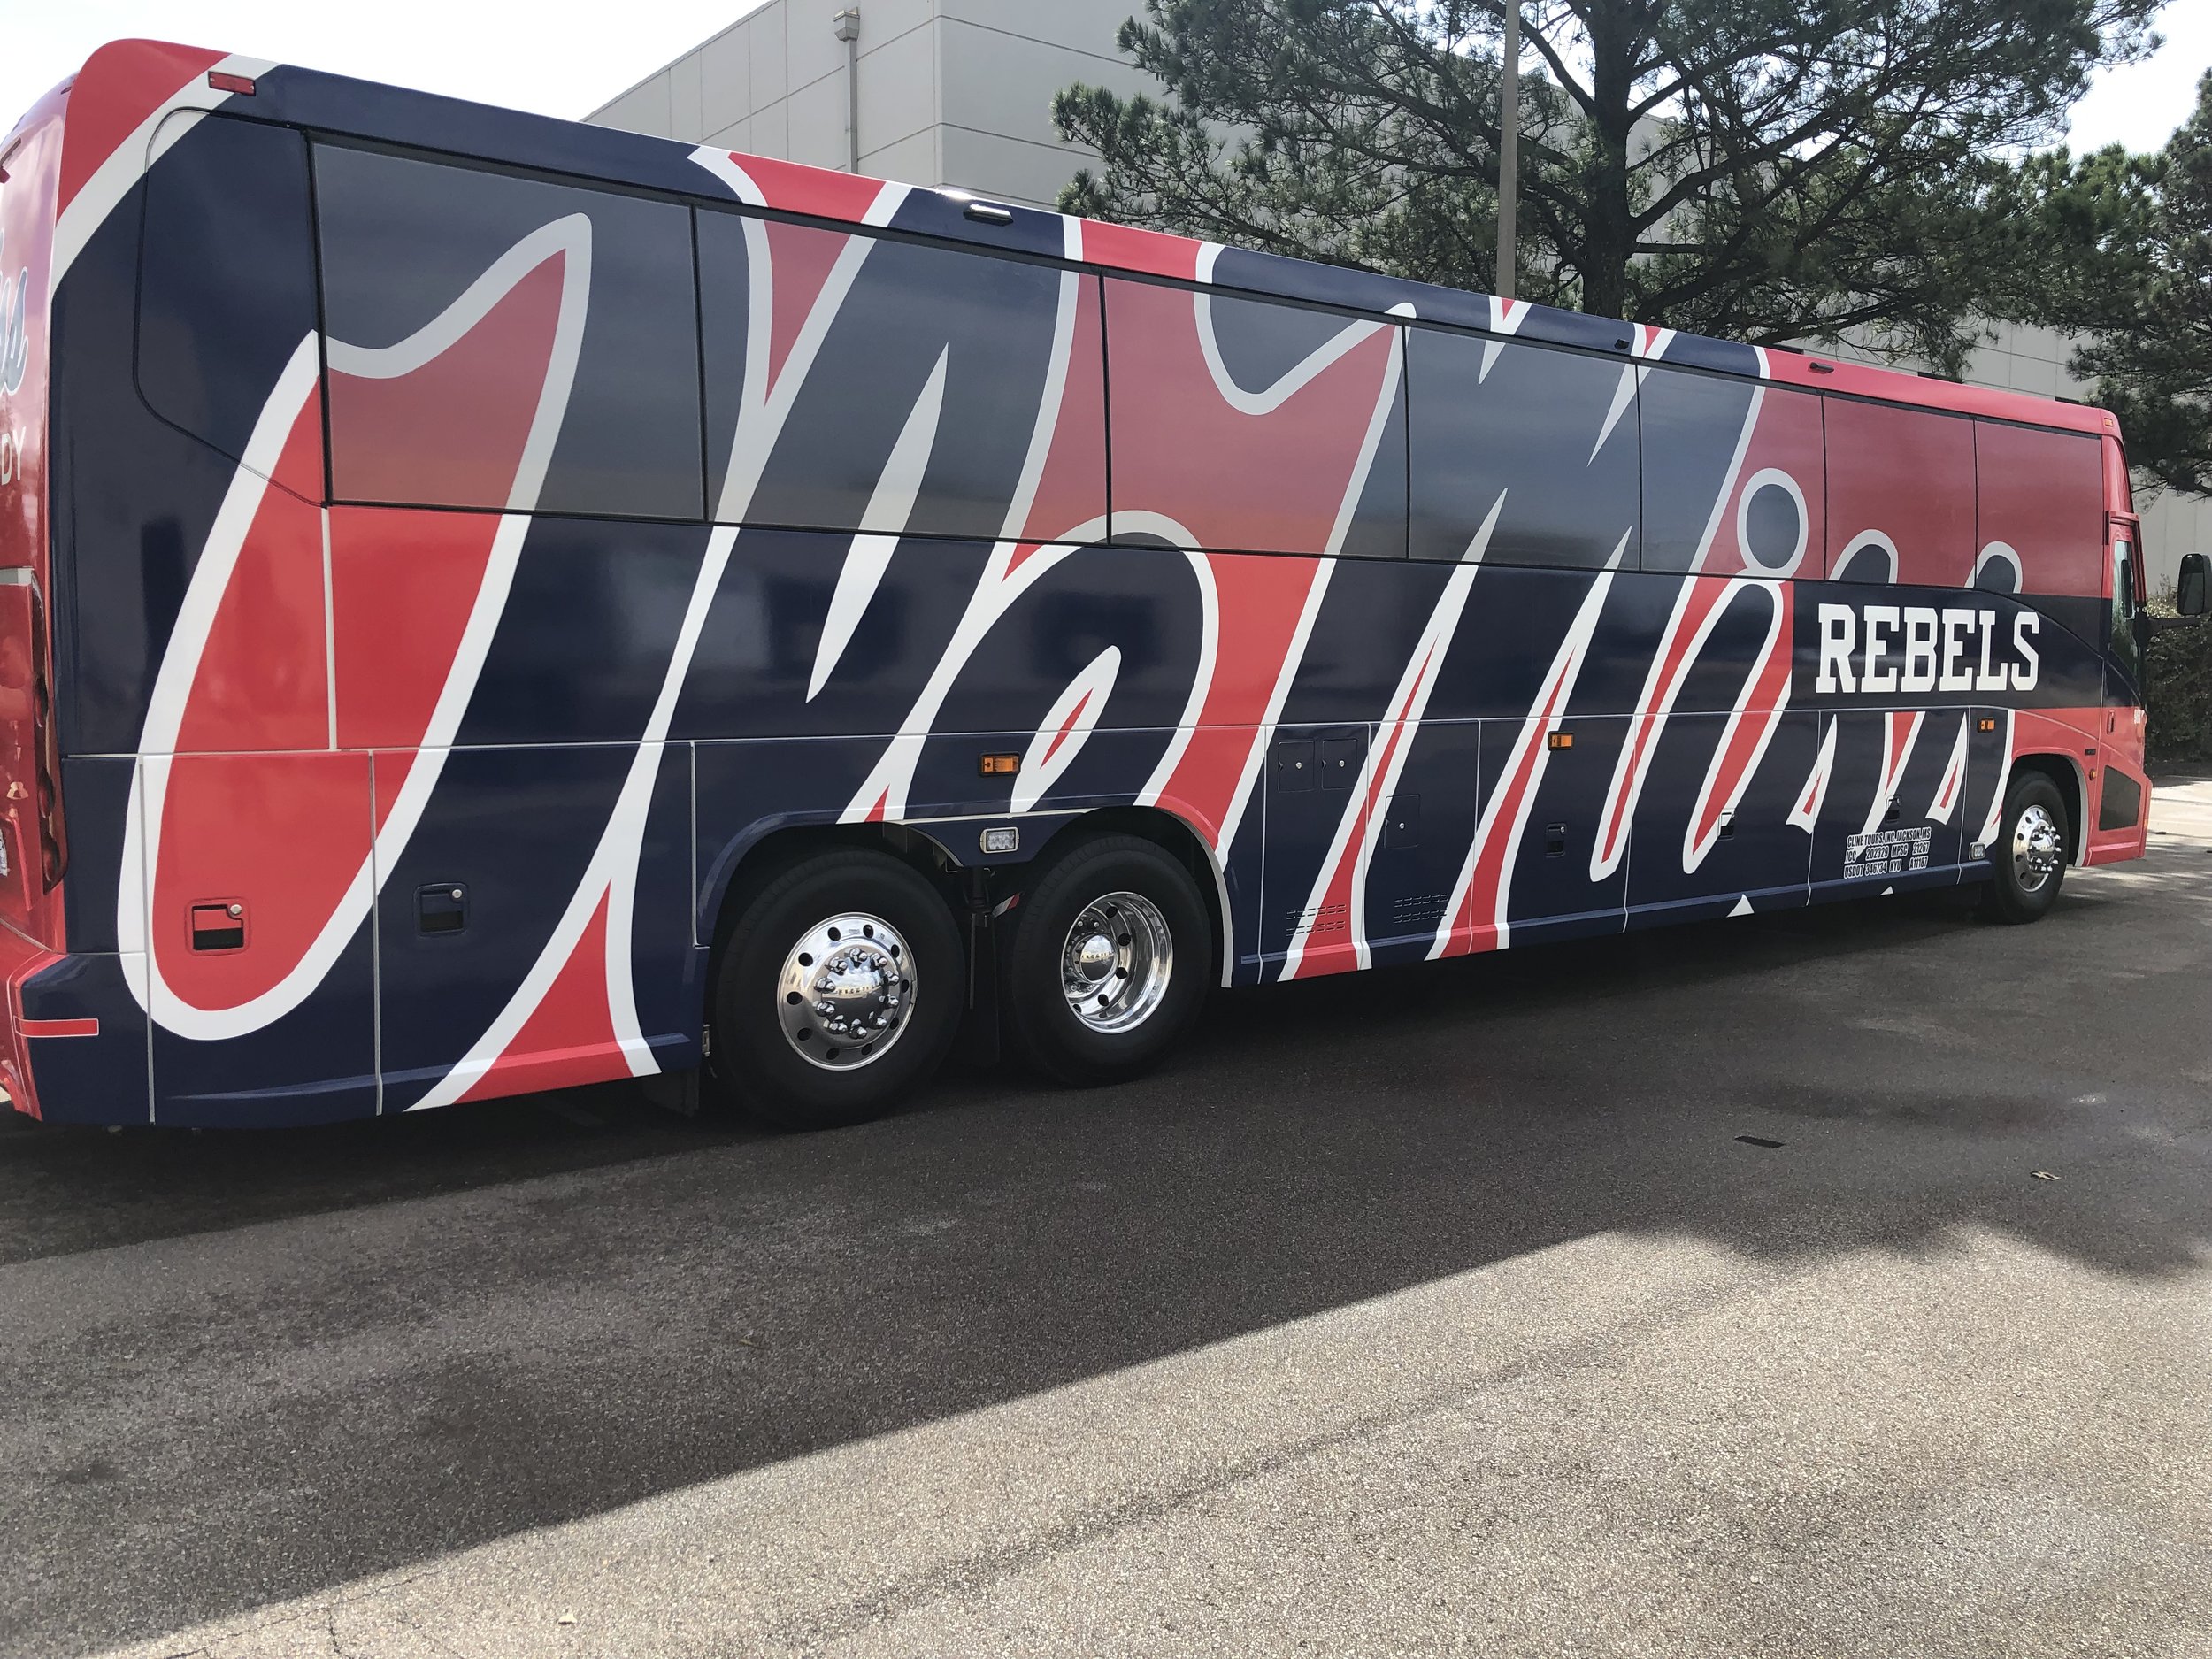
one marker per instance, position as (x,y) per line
(600,1302)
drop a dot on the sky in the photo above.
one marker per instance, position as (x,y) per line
(551,57)
(2140,105)
(562,57)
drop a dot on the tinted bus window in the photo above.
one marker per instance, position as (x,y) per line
(855,380)
(227,283)
(1544,440)
(1242,425)
(1901,494)
(2041,503)
(1695,427)
(2127,646)
(498,341)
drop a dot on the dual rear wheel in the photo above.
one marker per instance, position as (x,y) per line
(842,985)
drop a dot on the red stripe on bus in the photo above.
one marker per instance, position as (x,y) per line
(120,86)
(60,1027)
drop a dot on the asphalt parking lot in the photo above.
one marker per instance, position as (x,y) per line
(1427,1311)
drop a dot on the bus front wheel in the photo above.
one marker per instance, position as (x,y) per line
(1109,960)
(839,990)
(2028,858)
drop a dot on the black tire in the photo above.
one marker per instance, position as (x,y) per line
(761,1066)
(2015,895)
(1045,1028)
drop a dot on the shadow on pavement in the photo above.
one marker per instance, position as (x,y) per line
(517,1315)
(66,1188)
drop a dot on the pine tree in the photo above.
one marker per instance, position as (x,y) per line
(1775,170)
(2143,290)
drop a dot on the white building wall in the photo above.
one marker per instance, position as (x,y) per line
(952,92)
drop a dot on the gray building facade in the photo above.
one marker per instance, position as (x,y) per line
(948,92)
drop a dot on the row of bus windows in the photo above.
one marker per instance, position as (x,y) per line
(495,341)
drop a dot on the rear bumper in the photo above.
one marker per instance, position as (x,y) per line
(19,959)
(74,1047)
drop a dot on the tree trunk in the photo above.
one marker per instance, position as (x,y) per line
(1609,237)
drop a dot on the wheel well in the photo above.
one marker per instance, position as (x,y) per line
(2066,779)
(770,855)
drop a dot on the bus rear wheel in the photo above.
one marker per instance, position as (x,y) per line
(838,991)
(2028,858)
(1109,960)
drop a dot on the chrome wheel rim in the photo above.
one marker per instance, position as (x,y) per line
(2038,848)
(845,992)
(1116,962)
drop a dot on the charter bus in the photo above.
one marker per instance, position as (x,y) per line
(488,603)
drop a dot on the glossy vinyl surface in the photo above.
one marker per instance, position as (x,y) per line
(675,498)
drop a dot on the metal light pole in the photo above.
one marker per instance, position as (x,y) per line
(847,24)
(1508,146)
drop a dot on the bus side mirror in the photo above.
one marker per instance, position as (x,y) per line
(2190,592)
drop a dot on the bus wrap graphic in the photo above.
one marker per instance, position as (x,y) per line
(534,553)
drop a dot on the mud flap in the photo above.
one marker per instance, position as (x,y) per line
(989,917)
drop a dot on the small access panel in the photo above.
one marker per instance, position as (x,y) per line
(1313,773)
